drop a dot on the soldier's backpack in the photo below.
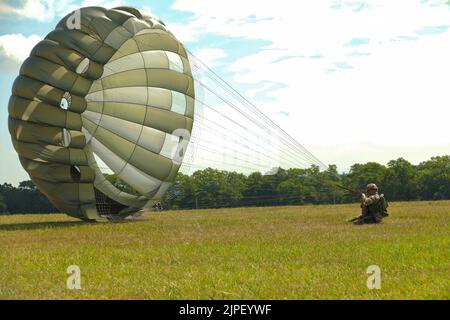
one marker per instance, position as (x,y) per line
(379,207)
(384,205)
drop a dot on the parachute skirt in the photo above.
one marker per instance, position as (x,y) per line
(117,91)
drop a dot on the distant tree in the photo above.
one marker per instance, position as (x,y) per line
(253,189)
(214,188)
(27,185)
(292,191)
(25,199)
(332,177)
(434,178)
(232,191)
(262,189)
(181,195)
(362,174)
(400,180)
(3,208)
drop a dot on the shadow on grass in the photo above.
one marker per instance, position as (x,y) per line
(60,224)
(42,225)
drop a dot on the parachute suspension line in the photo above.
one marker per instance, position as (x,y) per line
(285,150)
(302,154)
(294,158)
(214,150)
(289,152)
(287,143)
(231,164)
(223,84)
(233,139)
(261,126)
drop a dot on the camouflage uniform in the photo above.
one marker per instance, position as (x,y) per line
(373,209)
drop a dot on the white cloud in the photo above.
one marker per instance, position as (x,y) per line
(40,10)
(44,10)
(210,56)
(14,49)
(389,91)
(259,89)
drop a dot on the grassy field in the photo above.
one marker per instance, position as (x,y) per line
(307,252)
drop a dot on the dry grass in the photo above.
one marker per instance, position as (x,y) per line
(307,252)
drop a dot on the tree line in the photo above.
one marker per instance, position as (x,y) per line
(23,199)
(399,180)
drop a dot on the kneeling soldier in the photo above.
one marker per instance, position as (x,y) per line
(373,206)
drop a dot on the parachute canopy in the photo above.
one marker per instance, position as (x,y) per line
(106,88)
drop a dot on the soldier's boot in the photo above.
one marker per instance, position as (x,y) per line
(378,218)
(354,219)
(359,221)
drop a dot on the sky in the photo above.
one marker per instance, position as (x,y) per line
(353,81)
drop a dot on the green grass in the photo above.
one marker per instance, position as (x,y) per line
(307,252)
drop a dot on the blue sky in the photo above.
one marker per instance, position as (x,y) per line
(353,81)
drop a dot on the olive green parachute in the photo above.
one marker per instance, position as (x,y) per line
(106,87)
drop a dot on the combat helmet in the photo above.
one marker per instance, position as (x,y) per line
(371,186)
